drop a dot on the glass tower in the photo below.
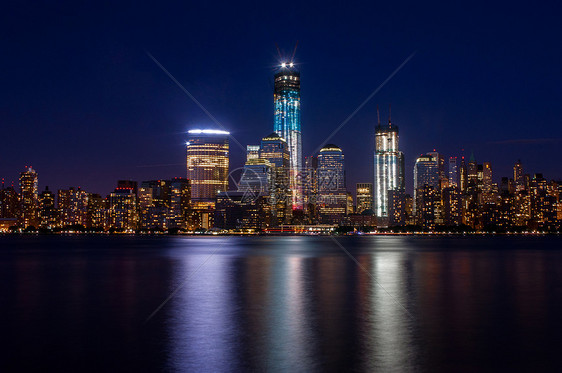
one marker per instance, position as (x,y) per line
(207,164)
(428,172)
(389,166)
(332,194)
(287,123)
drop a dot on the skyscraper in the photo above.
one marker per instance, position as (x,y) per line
(47,213)
(463,182)
(275,150)
(518,176)
(207,163)
(487,178)
(207,169)
(389,165)
(453,172)
(472,172)
(287,123)
(427,171)
(332,194)
(180,198)
(29,198)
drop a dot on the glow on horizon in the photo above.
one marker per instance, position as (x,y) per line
(209,132)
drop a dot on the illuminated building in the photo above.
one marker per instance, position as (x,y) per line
(389,166)
(72,206)
(256,177)
(154,204)
(9,203)
(29,199)
(254,204)
(331,169)
(518,177)
(349,204)
(275,150)
(463,179)
(429,180)
(426,196)
(363,197)
(310,188)
(472,172)
(287,123)
(487,187)
(122,210)
(235,211)
(426,172)
(95,213)
(543,203)
(47,212)
(451,202)
(252,152)
(332,195)
(397,214)
(453,172)
(180,198)
(207,169)
(207,164)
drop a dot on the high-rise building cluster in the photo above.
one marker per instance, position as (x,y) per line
(278,189)
(158,205)
(466,196)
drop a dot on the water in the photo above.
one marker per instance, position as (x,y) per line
(80,303)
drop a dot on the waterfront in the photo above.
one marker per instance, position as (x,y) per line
(281,303)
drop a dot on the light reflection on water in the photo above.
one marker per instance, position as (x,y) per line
(281,303)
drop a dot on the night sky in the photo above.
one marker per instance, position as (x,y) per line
(85,106)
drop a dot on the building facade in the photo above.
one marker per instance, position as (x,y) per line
(332,194)
(389,167)
(363,197)
(207,169)
(29,198)
(287,124)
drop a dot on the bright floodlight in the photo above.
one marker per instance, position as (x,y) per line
(209,132)
(283,64)
(291,64)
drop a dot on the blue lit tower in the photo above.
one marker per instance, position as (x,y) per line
(287,122)
(389,166)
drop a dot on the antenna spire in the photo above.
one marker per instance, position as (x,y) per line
(278,51)
(294,51)
(389,112)
(378,116)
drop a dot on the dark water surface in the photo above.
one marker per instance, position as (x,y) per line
(280,304)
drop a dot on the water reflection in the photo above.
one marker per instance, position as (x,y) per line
(282,304)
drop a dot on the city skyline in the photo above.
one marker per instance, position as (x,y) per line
(88,106)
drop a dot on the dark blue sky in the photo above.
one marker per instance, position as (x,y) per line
(81,101)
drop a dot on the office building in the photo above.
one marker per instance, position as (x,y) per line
(518,177)
(275,150)
(363,197)
(389,166)
(179,213)
(48,216)
(453,172)
(207,169)
(29,198)
(287,123)
(332,194)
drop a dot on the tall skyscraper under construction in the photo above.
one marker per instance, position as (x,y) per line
(389,165)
